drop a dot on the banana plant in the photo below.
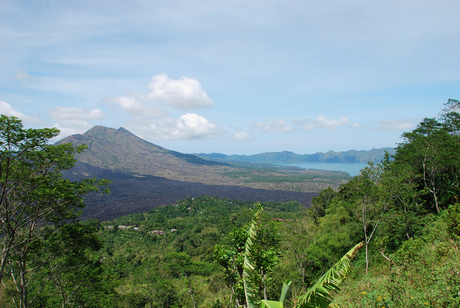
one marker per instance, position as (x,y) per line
(248,266)
(283,296)
(319,295)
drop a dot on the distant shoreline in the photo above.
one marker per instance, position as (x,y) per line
(351,168)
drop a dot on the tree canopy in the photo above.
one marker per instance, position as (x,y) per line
(33,195)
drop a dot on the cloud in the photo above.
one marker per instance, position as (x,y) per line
(242,136)
(134,103)
(273,126)
(23,76)
(149,114)
(68,127)
(323,123)
(394,125)
(73,120)
(7,110)
(75,113)
(184,93)
(187,127)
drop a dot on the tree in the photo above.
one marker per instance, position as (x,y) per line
(432,150)
(76,275)
(182,264)
(450,117)
(404,210)
(297,236)
(33,194)
(319,295)
(321,202)
(249,259)
(368,207)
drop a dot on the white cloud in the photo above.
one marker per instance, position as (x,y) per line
(130,105)
(188,126)
(394,125)
(185,93)
(75,113)
(273,126)
(323,123)
(242,136)
(134,103)
(70,127)
(149,113)
(73,120)
(7,110)
(23,76)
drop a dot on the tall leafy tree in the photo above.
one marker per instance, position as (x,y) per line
(368,208)
(321,202)
(33,194)
(432,151)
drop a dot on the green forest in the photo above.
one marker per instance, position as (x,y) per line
(388,237)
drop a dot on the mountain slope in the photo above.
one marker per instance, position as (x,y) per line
(109,147)
(286,157)
(118,149)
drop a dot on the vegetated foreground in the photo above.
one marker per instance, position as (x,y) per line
(404,213)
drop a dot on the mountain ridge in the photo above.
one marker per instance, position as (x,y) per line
(286,157)
(119,149)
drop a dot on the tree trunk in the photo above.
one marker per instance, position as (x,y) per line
(191,290)
(23,287)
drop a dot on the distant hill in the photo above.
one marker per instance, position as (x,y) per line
(113,148)
(120,150)
(286,157)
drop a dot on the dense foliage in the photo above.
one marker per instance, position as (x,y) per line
(37,207)
(211,252)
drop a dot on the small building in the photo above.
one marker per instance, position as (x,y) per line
(157,232)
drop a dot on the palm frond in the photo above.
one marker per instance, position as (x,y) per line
(284,291)
(270,304)
(319,294)
(248,266)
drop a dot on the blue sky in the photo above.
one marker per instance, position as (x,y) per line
(234,77)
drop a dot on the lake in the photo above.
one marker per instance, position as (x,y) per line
(351,168)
